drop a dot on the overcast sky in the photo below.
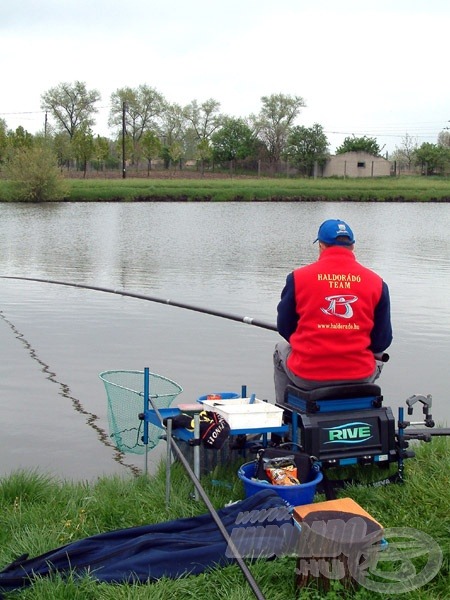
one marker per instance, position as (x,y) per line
(379,68)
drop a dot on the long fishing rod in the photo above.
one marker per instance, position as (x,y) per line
(208,311)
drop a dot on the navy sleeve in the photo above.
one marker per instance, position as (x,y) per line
(381,335)
(287,317)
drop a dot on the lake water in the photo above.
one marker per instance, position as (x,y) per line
(231,257)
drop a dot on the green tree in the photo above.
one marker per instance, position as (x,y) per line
(274,121)
(234,140)
(204,119)
(34,175)
(175,153)
(102,151)
(141,109)
(71,105)
(359,144)
(204,153)
(432,158)
(307,146)
(173,124)
(62,147)
(173,128)
(151,148)
(4,142)
(83,146)
(20,138)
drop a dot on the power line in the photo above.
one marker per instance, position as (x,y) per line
(425,129)
(378,134)
(25,112)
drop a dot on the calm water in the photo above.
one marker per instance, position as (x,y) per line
(54,341)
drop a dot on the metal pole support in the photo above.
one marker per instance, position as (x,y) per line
(197,451)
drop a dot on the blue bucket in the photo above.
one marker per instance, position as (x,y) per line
(223,396)
(295,495)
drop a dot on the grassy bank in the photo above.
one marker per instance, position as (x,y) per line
(406,189)
(38,514)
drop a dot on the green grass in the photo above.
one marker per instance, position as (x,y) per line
(254,189)
(38,513)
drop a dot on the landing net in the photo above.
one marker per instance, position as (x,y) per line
(125,393)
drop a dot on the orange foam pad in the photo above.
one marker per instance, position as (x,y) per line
(341,505)
(193,407)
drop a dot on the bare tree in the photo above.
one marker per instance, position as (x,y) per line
(444,138)
(405,155)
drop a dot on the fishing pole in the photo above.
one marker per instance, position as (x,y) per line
(208,311)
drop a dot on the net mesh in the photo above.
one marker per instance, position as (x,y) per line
(125,393)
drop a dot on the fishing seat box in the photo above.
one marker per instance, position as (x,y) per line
(342,425)
(351,396)
(363,437)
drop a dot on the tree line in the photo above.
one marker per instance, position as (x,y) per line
(147,128)
(432,159)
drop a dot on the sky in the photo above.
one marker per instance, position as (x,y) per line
(378,68)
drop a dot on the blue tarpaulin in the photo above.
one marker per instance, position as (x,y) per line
(173,549)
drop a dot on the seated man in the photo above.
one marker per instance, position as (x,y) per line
(335,317)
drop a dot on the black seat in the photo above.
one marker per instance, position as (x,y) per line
(335,392)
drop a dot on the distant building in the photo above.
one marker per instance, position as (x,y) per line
(356,164)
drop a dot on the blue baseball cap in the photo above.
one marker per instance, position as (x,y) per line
(332,229)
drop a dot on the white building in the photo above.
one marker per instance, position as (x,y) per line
(356,164)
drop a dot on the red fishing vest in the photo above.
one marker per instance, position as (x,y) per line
(335,300)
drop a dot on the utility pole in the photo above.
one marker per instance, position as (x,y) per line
(124,132)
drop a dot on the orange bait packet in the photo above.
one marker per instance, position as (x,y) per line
(283,475)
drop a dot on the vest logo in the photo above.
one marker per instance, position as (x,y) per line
(340,306)
(349,433)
